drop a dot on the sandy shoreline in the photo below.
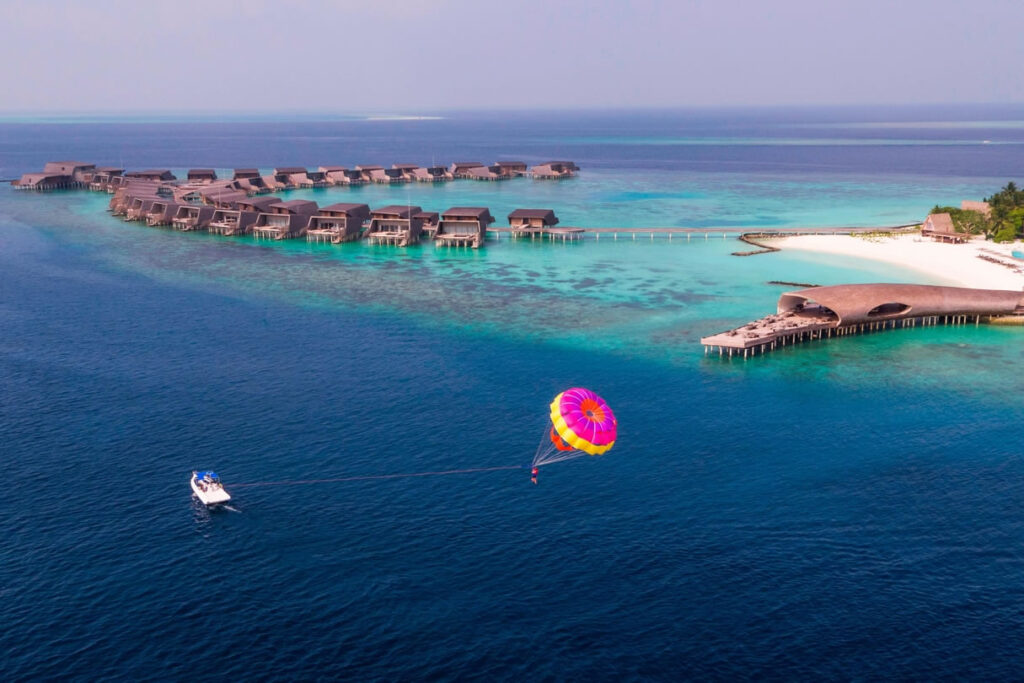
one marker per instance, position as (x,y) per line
(954,264)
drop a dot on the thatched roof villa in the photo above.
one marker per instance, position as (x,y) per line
(939,226)
(981,207)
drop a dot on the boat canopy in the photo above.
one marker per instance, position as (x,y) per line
(207,473)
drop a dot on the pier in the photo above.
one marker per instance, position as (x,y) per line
(841,310)
(745,234)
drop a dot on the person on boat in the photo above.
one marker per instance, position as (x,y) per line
(533,474)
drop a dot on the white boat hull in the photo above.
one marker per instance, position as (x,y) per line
(210,495)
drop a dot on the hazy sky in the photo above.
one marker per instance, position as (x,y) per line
(421,55)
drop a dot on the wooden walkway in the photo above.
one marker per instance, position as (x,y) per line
(745,233)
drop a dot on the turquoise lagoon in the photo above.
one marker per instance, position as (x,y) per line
(842,509)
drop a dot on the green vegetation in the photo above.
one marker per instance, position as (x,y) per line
(971,222)
(1003,224)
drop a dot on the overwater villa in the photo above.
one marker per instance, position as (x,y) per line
(129,190)
(57,175)
(461,169)
(155,174)
(316,178)
(139,207)
(839,310)
(369,174)
(485,173)
(251,186)
(292,177)
(271,183)
(429,221)
(193,217)
(408,171)
(201,175)
(510,169)
(119,202)
(555,170)
(339,175)
(431,174)
(79,171)
(285,220)
(114,182)
(248,180)
(338,223)
(531,222)
(395,175)
(464,226)
(240,219)
(101,178)
(226,200)
(123,196)
(187,195)
(384,176)
(42,182)
(939,226)
(395,225)
(162,212)
(331,174)
(207,194)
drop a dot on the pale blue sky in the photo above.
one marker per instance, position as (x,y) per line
(424,55)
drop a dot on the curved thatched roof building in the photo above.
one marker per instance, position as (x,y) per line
(874,302)
(839,310)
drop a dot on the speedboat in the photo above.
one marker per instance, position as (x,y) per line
(207,487)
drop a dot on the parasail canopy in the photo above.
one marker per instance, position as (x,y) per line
(582,420)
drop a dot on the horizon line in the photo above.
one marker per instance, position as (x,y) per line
(428,111)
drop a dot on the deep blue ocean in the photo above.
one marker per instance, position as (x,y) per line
(849,509)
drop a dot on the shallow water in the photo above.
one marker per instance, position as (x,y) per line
(844,509)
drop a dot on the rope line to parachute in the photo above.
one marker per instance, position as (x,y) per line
(403,475)
(561,458)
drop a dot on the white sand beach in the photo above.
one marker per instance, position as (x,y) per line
(965,265)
